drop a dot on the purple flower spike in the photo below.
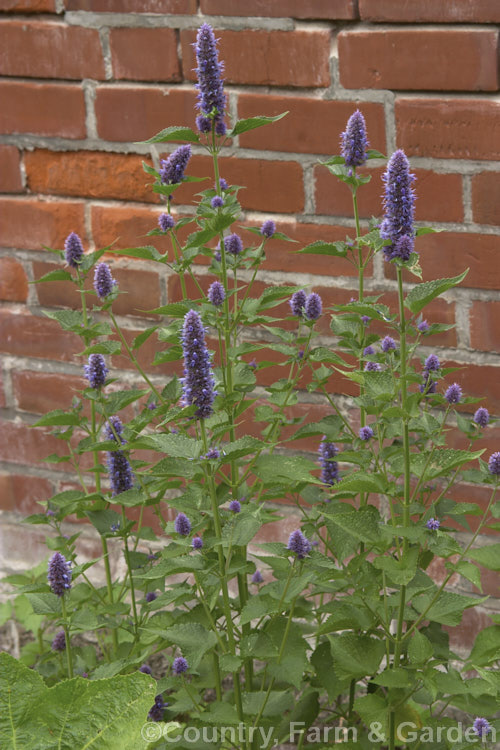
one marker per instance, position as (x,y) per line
(388,344)
(145,669)
(235,506)
(182,524)
(157,709)
(433,524)
(59,574)
(217,202)
(429,385)
(373,367)
(197,542)
(179,665)
(216,294)
(453,394)
(151,596)
(212,454)
(368,351)
(494,463)
(96,371)
(204,124)
(366,433)
(399,205)
(297,303)
(59,642)
(482,417)
(113,429)
(481,726)
(268,228)
(313,307)
(365,319)
(211,97)
(299,544)
(166,222)
(120,472)
(327,453)
(103,280)
(353,141)
(73,250)
(233,244)
(432,363)
(198,381)
(223,183)
(423,326)
(172,169)
(257,577)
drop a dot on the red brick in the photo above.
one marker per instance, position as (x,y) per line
(146,355)
(479,381)
(331,10)
(386,59)
(335,199)
(484,329)
(13,281)
(50,50)
(22,444)
(29,223)
(20,493)
(447,254)
(463,636)
(144,54)
(449,128)
(40,392)
(422,11)
(52,109)
(2,392)
(127,113)
(181,7)
(267,58)
(10,170)
(126,226)
(28,6)
(486,197)
(93,174)
(312,126)
(141,290)
(22,334)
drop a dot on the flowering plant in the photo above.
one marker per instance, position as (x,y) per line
(206,627)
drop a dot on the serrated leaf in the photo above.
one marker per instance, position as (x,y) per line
(487,556)
(148,252)
(174,445)
(422,294)
(419,649)
(104,347)
(274,469)
(174,133)
(193,640)
(240,530)
(362,524)
(58,275)
(58,417)
(338,249)
(45,604)
(355,656)
(250,123)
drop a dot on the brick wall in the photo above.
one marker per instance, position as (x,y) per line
(83,80)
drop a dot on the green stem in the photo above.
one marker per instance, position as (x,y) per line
(129,568)
(69,655)
(133,358)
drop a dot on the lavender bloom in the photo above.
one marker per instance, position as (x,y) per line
(482,417)
(113,429)
(166,222)
(211,97)
(198,381)
(179,665)
(103,280)
(453,394)
(353,141)
(96,371)
(172,169)
(151,596)
(368,350)
(157,709)
(432,363)
(217,255)
(399,205)
(297,303)
(59,574)
(115,526)
(235,506)
(253,364)
(257,577)
(429,385)
(120,472)
(233,244)
(204,124)
(152,556)
(268,228)
(145,669)
(212,454)
(216,294)
(152,405)
(433,524)
(373,367)
(494,463)
(197,542)
(388,344)
(327,452)
(313,307)
(59,642)
(73,250)
(223,183)
(365,433)
(481,726)
(182,524)
(423,326)
(299,544)
(217,202)
(365,319)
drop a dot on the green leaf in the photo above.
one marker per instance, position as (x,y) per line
(45,604)
(422,294)
(250,123)
(274,469)
(175,446)
(103,520)
(488,556)
(104,347)
(486,649)
(58,417)
(174,133)
(359,482)
(419,649)
(448,609)
(355,656)
(400,572)
(338,249)
(147,252)
(241,529)
(59,275)
(118,400)
(192,639)
(362,524)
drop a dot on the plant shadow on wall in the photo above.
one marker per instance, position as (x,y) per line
(200,644)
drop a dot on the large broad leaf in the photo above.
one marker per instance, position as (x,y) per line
(174,133)
(448,609)
(193,640)
(422,294)
(250,123)
(274,469)
(356,656)
(325,248)
(75,714)
(488,556)
(176,446)
(362,524)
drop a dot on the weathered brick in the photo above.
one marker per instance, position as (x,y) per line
(22,444)
(93,174)
(430,11)
(181,7)
(40,392)
(52,109)
(131,113)
(28,6)
(486,197)
(22,334)
(331,10)
(335,199)
(13,281)
(29,223)
(479,381)
(49,50)
(144,54)
(20,493)
(312,126)
(267,58)
(449,128)
(126,226)
(10,170)
(484,329)
(386,59)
